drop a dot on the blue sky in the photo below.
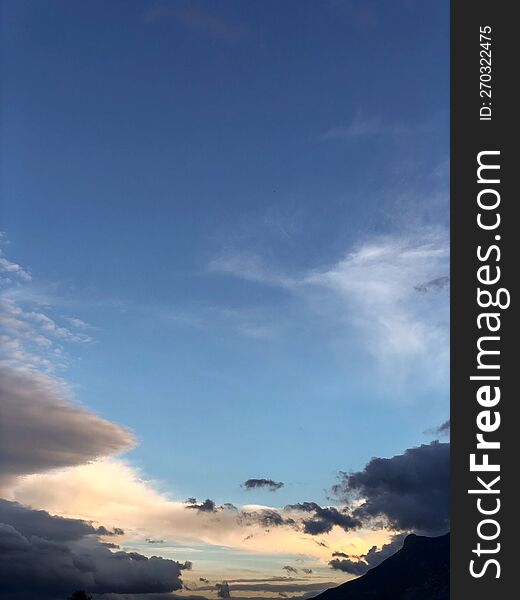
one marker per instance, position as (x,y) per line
(239,199)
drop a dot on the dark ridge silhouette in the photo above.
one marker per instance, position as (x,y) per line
(419,571)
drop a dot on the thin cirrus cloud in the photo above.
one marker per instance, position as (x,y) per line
(30,337)
(363,126)
(377,289)
(9,268)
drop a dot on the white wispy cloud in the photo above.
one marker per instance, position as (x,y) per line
(13,269)
(377,286)
(31,337)
(376,289)
(249,267)
(373,125)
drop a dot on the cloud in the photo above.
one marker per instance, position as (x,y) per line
(251,268)
(147,596)
(373,126)
(410,490)
(223,590)
(11,268)
(437,284)
(375,284)
(47,556)
(372,292)
(262,483)
(292,585)
(265,518)
(361,564)
(42,429)
(29,336)
(290,569)
(444,428)
(50,327)
(206,506)
(324,518)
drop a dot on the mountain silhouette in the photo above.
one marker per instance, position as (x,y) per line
(419,571)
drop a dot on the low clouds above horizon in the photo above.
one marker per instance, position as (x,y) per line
(51,556)
(359,565)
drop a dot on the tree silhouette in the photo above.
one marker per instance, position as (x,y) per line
(79,595)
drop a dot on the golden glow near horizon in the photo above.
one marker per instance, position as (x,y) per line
(112,493)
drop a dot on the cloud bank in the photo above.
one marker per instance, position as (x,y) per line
(411,491)
(46,556)
(42,429)
(359,565)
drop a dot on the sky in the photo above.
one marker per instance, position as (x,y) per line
(224,258)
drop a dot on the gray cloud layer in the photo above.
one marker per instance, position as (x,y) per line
(41,429)
(49,557)
(324,518)
(411,490)
(374,557)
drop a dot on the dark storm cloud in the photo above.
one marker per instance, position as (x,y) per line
(41,429)
(269,484)
(411,490)
(40,523)
(324,518)
(208,506)
(223,590)
(374,557)
(46,557)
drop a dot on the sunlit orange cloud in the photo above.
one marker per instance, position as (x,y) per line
(112,493)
